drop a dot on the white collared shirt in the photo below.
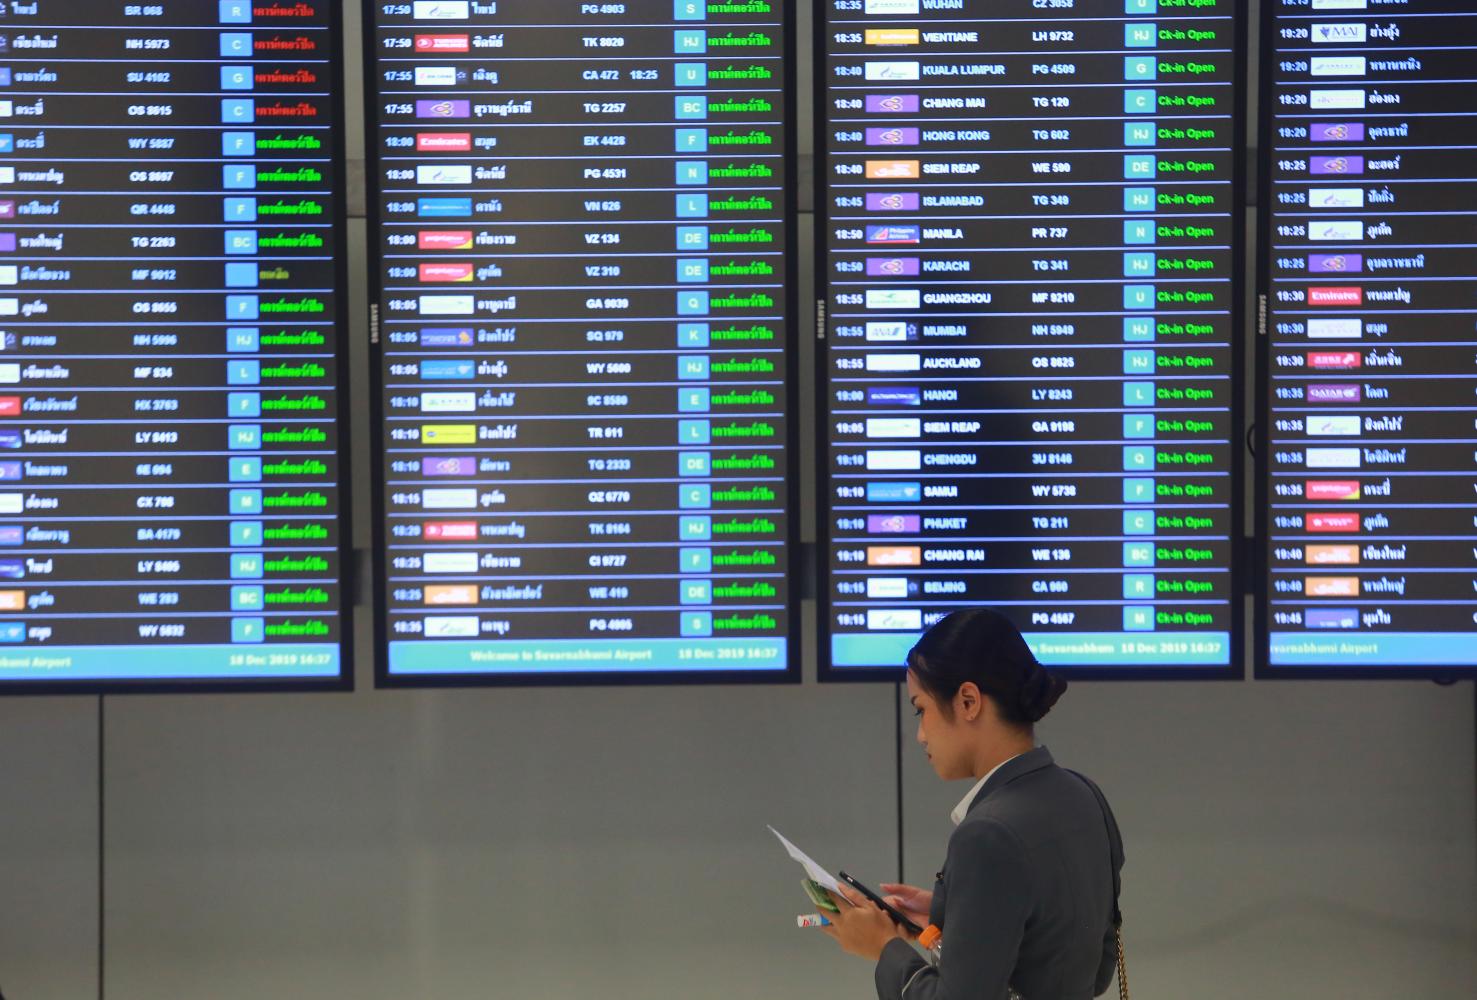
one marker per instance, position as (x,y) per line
(963,807)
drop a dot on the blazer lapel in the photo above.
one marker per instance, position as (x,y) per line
(1031,760)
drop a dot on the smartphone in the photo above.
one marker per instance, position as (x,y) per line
(882,904)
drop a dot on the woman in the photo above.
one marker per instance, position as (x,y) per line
(1027,899)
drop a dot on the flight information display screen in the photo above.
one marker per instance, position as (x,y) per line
(1031,274)
(1369,339)
(170,466)
(584,332)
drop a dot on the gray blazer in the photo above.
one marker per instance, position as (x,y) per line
(1026,899)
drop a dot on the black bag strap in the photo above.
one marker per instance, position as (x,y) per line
(1108,825)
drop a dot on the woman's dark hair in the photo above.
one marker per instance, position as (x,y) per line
(982,646)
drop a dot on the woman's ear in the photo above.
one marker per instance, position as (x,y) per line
(969,703)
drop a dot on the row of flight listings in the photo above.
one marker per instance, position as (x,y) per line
(585,323)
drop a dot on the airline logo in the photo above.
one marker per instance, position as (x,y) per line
(11,470)
(891,7)
(1334,329)
(1334,359)
(456,239)
(1336,198)
(883,333)
(1332,458)
(1336,132)
(1320,392)
(1331,618)
(446,272)
(894,619)
(1319,295)
(448,434)
(12,600)
(435,76)
(1341,426)
(1344,231)
(894,524)
(443,208)
(894,427)
(893,201)
(457,499)
(442,336)
(453,465)
(893,267)
(1332,489)
(1331,555)
(447,173)
(892,104)
(450,531)
(444,594)
(453,10)
(894,395)
(894,298)
(443,43)
(1346,33)
(894,235)
(11,534)
(443,142)
(891,36)
(450,626)
(1331,586)
(892,136)
(443,109)
(1339,4)
(448,402)
(894,555)
(1336,165)
(1337,66)
(1336,100)
(447,305)
(1336,263)
(892,72)
(901,170)
(894,362)
(12,632)
(1334,524)
(887,587)
(891,492)
(10,406)
(894,461)
(12,503)
(449,562)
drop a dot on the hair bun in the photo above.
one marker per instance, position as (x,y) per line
(1038,692)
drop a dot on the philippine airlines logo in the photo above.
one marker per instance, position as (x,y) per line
(893,234)
(443,43)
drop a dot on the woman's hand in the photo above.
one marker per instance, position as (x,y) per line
(861,928)
(913,902)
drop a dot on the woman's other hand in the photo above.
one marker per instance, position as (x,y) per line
(913,902)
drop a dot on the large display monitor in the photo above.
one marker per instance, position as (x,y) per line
(171,470)
(1368,359)
(1030,262)
(582,240)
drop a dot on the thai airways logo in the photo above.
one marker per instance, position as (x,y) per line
(894,524)
(1336,263)
(893,104)
(892,136)
(1336,165)
(1337,132)
(893,267)
(443,109)
(893,201)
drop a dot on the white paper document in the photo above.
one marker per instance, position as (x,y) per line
(813,871)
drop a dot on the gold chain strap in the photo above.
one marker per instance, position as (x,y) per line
(1122,969)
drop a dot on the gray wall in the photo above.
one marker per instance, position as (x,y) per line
(1300,840)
